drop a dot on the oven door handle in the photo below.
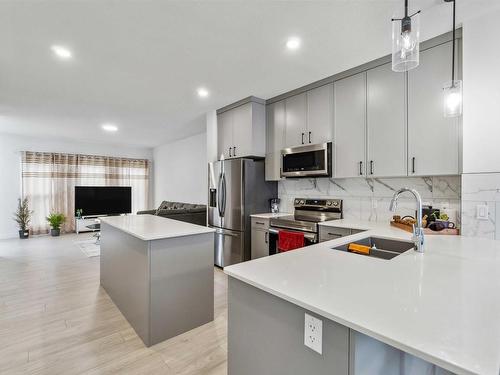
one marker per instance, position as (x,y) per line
(308,236)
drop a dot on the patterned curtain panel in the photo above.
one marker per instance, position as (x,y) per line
(49,180)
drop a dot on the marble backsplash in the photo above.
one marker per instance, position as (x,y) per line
(481,189)
(368,199)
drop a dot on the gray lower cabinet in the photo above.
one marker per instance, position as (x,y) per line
(369,356)
(433,140)
(327,233)
(259,238)
(350,126)
(266,336)
(260,243)
(386,122)
(332,233)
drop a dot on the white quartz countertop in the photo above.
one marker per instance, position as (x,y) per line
(270,215)
(151,227)
(442,306)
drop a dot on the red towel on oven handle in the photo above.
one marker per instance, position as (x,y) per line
(290,240)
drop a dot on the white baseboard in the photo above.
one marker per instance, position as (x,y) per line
(8,236)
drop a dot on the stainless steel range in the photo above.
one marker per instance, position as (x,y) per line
(308,213)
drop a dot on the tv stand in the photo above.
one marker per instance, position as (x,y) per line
(81,224)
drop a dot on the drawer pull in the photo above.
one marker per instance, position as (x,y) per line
(259,222)
(335,234)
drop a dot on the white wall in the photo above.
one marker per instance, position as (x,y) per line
(481,59)
(180,170)
(10,167)
(212,136)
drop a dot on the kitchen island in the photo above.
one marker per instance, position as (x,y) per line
(436,312)
(159,273)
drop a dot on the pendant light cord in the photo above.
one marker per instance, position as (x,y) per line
(453,50)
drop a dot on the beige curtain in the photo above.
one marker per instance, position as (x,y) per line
(49,180)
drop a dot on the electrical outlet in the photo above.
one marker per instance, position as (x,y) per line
(482,212)
(313,333)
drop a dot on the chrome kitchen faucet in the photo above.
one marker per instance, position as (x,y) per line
(418,230)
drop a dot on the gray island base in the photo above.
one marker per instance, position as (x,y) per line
(159,273)
(270,340)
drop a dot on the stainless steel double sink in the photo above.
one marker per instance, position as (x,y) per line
(382,248)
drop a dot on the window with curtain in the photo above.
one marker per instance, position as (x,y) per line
(49,180)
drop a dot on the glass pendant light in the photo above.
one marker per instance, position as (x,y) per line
(405,41)
(452,91)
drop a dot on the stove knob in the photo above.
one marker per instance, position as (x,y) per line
(335,204)
(302,201)
(296,201)
(328,203)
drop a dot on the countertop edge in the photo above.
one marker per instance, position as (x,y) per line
(206,230)
(270,215)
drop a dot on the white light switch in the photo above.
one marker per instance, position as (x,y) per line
(482,212)
(313,333)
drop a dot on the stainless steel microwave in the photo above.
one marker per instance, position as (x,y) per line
(307,161)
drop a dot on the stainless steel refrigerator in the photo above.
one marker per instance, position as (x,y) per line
(237,189)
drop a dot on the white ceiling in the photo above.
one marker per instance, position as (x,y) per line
(138,63)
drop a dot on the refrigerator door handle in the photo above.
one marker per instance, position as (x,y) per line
(221,198)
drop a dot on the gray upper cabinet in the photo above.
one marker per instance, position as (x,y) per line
(225,134)
(275,139)
(433,140)
(242,130)
(320,114)
(386,122)
(296,120)
(382,123)
(350,126)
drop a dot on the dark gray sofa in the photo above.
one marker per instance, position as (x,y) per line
(188,212)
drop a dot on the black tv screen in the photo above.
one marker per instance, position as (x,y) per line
(103,200)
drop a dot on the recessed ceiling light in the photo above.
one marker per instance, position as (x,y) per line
(61,52)
(202,92)
(109,127)
(293,43)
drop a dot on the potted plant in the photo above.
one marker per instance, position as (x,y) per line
(55,220)
(23,217)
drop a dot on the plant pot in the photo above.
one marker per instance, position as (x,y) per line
(23,234)
(55,232)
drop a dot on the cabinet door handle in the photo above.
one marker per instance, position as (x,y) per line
(371,166)
(413,164)
(309,137)
(361,168)
(259,222)
(234,151)
(302,138)
(230,151)
(266,237)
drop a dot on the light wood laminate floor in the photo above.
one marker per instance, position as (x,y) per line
(55,319)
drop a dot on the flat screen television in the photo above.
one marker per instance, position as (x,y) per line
(103,200)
